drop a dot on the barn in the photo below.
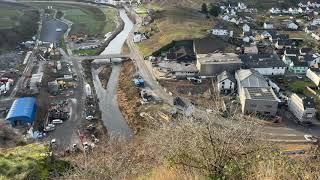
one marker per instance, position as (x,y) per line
(22,111)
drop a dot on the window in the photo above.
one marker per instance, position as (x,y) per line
(223,83)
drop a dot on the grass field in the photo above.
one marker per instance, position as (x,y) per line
(89,52)
(175,24)
(28,162)
(17,23)
(9,17)
(86,19)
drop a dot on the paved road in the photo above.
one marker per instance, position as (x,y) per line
(144,70)
(290,133)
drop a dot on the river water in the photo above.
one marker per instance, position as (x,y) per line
(116,44)
(111,115)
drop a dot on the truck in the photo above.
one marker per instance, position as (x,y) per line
(139,82)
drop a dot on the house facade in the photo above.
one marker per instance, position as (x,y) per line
(265,64)
(292,26)
(267,25)
(314,75)
(303,108)
(296,64)
(215,63)
(226,82)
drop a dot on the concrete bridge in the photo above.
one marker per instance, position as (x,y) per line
(109,56)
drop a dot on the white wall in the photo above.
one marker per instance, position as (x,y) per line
(271,71)
(313,77)
(228,85)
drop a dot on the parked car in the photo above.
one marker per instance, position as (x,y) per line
(57,121)
(48,129)
(51,125)
(309,137)
(89,118)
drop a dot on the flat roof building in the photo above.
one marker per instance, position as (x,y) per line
(22,111)
(215,63)
(256,96)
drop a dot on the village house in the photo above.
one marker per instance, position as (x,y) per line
(265,64)
(245,28)
(222,32)
(310,29)
(177,70)
(292,26)
(139,37)
(303,108)
(275,11)
(267,25)
(305,51)
(292,52)
(284,43)
(296,64)
(226,82)
(314,75)
(255,94)
(215,63)
(253,49)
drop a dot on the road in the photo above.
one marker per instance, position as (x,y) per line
(285,134)
(144,70)
(289,133)
(66,134)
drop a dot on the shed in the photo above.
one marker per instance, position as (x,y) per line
(23,110)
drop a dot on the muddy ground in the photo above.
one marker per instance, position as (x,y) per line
(104,75)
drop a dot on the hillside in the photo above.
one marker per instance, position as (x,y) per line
(29,162)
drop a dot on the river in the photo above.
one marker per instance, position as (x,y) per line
(110,112)
(116,44)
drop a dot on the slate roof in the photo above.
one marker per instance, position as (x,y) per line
(298,62)
(306,50)
(285,42)
(292,51)
(262,61)
(225,75)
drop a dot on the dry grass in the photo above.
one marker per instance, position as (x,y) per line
(175,24)
(128,96)
(189,149)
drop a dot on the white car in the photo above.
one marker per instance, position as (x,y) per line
(309,137)
(47,129)
(57,121)
(51,125)
(89,118)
